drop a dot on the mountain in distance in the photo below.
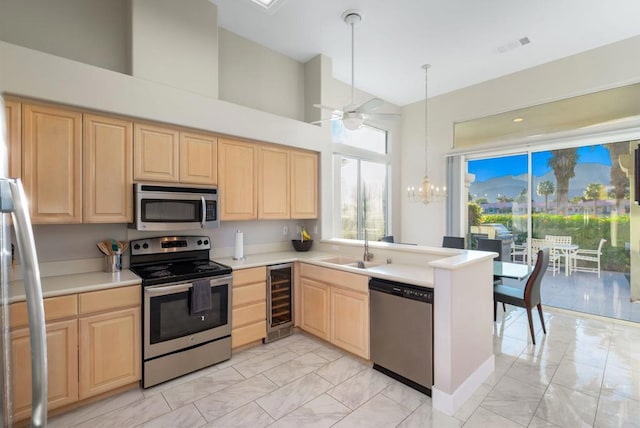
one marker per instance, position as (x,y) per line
(511,185)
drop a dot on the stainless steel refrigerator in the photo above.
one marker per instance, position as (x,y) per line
(16,233)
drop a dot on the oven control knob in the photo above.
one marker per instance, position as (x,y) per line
(136,247)
(145,245)
(206,242)
(199,241)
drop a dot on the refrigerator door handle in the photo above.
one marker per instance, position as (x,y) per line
(35,306)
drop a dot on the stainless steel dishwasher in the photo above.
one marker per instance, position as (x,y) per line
(401,323)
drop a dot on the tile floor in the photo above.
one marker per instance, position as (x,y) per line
(584,373)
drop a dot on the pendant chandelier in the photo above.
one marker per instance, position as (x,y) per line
(426,191)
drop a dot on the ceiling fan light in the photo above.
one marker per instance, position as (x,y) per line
(352,123)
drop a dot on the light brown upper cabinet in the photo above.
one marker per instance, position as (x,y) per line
(273,183)
(108,184)
(237,179)
(304,184)
(198,158)
(13,117)
(52,163)
(156,153)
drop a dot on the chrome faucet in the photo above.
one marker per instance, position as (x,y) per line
(367,255)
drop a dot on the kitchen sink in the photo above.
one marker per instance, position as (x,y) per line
(351,262)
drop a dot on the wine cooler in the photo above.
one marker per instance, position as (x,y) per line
(279,301)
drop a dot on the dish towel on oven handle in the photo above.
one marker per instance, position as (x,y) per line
(200,297)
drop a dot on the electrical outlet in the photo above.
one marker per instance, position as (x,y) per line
(285,230)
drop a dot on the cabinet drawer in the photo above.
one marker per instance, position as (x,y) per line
(248,294)
(113,298)
(248,333)
(337,277)
(249,276)
(54,308)
(249,314)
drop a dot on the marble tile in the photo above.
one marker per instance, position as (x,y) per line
(546,349)
(321,412)
(468,407)
(293,395)
(426,417)
(135,413)
(532,373)
(229,399)
(617,411)
(514,400)
(510,346)
(304,345)
(566,407)
(158,389)
(201,387)
(249,415)
(404,395)
(329,353)
(536,422)
(341,369)
(483,418)
(595,356)
(360,388)
(260,363)
(503,363)
(187,416)
(581,377)
(620,381)
(380,411)
(295,369)
(98,408)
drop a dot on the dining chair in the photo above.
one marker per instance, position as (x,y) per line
(453,242)
(557,254)
(473,239)
(494,245)
(530,296)
(592,256)
(554,259)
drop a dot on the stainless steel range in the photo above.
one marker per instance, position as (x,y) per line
(186,306)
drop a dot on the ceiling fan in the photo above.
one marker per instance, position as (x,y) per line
(353,115)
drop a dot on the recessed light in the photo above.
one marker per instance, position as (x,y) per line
(518,119)
(265,3)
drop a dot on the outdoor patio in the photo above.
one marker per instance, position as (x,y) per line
(607,296)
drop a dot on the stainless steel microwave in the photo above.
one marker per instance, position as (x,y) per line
(163,208)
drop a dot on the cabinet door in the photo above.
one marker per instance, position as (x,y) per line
(62,362)
(237,179)
(248,319)
(109,351)
(350,321)
(52,163)
(304,184)
(273,183)
(13,118)
(315,308)
(155,153)
(108,186)
(198,159)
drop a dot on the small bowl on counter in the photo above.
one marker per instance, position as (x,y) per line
(299,245)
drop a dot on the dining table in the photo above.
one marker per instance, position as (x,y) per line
(511,270)
(567,250)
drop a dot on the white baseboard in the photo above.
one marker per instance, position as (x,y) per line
(450,403)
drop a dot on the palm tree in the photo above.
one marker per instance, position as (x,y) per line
(563,163)
(545,188)
(619,180)
(594,192)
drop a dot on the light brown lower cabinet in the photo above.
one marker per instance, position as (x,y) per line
(93,347)
(249,313)
(109,351)
(62,362)
(335,307)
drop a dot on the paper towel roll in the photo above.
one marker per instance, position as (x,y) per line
(239,255)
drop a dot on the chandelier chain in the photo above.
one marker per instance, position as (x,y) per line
(426,117)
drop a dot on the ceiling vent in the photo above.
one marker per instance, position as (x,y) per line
(514,44)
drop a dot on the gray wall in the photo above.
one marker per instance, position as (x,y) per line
(95,32)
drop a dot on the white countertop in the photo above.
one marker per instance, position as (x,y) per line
(77,283)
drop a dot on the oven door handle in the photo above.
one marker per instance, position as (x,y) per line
(204,212)
(161,290)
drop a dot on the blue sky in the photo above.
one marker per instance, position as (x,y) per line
(485,169)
